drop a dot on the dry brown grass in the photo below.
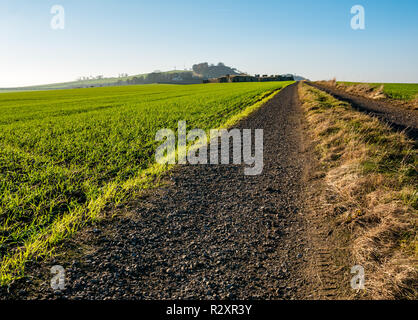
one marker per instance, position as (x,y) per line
(414,104)
(361,89)
(373,170)
(364,90)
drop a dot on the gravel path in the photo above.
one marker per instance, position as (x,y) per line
(399,119)
(210,233)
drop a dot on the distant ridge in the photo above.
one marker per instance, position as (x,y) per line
(197,74)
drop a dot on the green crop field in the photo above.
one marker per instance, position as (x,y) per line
(401,91)
(398,91)
(66,154)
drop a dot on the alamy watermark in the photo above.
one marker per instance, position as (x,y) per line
(358,21)
(58,20)
(197,153)
(58,280)
(357,282)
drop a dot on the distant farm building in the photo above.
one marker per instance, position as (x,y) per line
(247,78)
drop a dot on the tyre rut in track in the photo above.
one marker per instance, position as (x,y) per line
(211,232)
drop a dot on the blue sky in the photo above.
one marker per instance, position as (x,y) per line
(310,38)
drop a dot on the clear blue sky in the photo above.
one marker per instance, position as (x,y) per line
(310,38)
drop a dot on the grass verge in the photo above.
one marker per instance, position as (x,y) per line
(373,172)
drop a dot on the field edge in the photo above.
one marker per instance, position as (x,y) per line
(45,243)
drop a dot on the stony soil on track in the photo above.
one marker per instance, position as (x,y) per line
(210,233)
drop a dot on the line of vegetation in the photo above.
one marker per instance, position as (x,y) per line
(67,154)
(372,170)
